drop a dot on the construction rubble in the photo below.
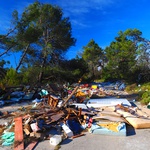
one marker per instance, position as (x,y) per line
(70,112)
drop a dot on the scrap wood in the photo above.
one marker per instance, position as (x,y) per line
(111,113)
(18,114)
(50,114)
(73,92)
(6,114)
(138,122)
(19,140)
(78,135)
(56,117)
(72,110)
(2,128)
(78,115)
(84,112)
(37,114)
(52,101)
(27,132)
(75,113)
(111,118)
(31,145)
(45,116)
(143,112)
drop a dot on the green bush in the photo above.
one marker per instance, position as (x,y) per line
(142,90)
(11,78)
(145,97)
(131,88)
(146,87)
(145,101)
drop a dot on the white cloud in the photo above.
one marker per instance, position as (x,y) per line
(79,23)
(78,10)
(74,9)
(83,6)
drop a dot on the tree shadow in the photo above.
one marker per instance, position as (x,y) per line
(66,141)
(133,96)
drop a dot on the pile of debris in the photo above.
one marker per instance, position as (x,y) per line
(91,109)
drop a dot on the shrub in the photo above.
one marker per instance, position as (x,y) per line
(11,78)
(145,101)
(131,88)
(145,97)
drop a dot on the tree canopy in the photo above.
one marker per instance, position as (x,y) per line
(93,56)
(42,35)
(122,53)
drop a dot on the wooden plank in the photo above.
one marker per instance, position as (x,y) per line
(31,145)
(111,118)
(73,92)
(56,117)
(19,141)
(138,122)
(76,136)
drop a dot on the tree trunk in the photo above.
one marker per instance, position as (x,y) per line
(6,51)
(40,77)
(24,54)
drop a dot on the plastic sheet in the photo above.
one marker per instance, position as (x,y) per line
(8,138)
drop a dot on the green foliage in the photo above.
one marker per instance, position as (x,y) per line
(30,75)
(144,87)
(93,55)
(145,98)
(43,35)
(68,71)
(78,64)
(2,69)
(122,54)
(92,52)
(146,94)
(131,88)
(142,90)
(40,33)
(11,78)
(53,35)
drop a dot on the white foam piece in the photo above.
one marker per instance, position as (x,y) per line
(96,103)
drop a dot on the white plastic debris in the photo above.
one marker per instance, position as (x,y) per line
(55,140)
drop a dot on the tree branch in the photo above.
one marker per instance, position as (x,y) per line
(24,54)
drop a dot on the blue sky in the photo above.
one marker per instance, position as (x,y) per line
(100,20)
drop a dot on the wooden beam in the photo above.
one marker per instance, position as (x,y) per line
(31,145)
(19,140)
(73,92)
